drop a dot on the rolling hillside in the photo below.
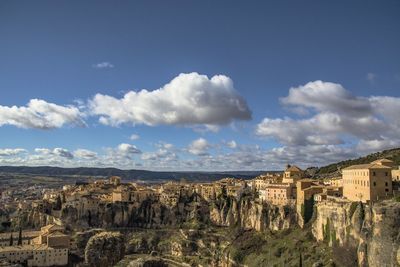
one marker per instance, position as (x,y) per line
(392,154)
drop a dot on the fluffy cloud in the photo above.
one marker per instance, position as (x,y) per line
(11,151)
(103,65)
(128,149)
(336,117)
(327,97)
(164,156)
(199,147)
(41,115)
(58,151)
(85,154)
(231,144)
(189,99)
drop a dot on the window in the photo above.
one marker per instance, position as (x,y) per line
(386,173)
(374,183)
(386,184)
(373,173)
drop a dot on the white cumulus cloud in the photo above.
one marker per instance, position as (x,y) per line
(11,151)
(128,149)
(189,99)
(85,154)
(199,147)
(335,117)
(41,115)
(58,151)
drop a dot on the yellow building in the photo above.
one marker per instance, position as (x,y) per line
(336,181)
(292,174)
(396,175)
(368,182)
(327,192)
(278,194)
(115,180)
(26,237)
(121,195)
(260,182)
(207,191)
(233,190)
(49,248)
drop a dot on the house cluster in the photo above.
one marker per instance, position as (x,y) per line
(365,182)
(47,247)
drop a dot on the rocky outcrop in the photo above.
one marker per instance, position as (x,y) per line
(36,218)
(251,214)
(191,211)
(148,262)
(373,231)
(149,213)
(104,249)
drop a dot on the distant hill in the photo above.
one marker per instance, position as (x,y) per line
(392,154)
(126,174)
(329,170)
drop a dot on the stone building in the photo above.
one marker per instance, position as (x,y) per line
(49,248)
(26,237)
(115,180)
(121,194)
(396,174)
(278,194)
(292,174)
(260,182)
(368,182)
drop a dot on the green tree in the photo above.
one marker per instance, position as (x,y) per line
(11,240)
(300,261)
(58,203)
(20,237)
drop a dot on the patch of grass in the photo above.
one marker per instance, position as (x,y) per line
(279,248)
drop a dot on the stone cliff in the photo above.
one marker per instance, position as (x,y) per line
(251,214)
(104,249)
(371,231)
(191,211)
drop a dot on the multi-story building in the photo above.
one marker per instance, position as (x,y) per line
(329,191)
(260,182)
(115,180)
(26,237)
(121,194)
(292,174)
(368,182)
(49,248)
(396,175)
(278,194)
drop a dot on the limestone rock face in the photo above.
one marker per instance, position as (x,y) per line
(146,214)
(373,230)
(250,214)
(35,218)
(82,239)
(104,249)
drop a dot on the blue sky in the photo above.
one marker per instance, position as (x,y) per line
(66,52)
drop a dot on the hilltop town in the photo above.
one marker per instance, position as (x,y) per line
(53,226)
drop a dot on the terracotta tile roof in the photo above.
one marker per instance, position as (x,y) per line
(293,169)
(367,166)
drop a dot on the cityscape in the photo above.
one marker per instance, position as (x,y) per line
(199,133)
